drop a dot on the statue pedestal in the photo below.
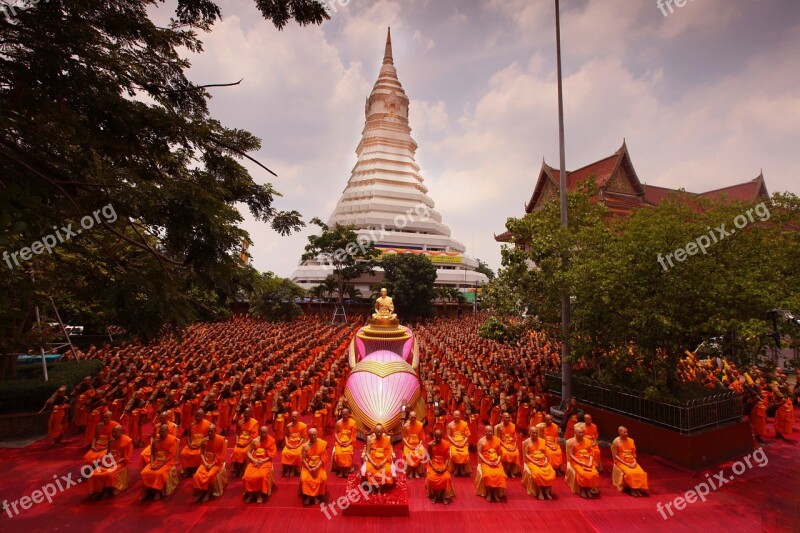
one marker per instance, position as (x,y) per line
(364,502)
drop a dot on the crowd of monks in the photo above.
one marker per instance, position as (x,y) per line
(229,399)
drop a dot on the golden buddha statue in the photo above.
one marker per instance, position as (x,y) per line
(384,324)
(384,308)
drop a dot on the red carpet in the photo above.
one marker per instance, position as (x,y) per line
(760,499)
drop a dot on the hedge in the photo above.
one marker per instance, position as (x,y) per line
(27,391)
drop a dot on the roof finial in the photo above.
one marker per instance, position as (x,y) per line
(387,57)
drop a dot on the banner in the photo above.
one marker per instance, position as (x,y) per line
(450,258)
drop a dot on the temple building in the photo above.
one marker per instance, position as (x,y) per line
(621,191)
(386,200)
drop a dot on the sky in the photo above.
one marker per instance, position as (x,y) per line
(706,96)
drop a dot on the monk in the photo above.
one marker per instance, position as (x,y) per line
(458,435)
(102,436)
(413,446)
(258,478)
(58,404)
(552,447)
(172,429)
(506,431)
(378,457)
(758,419)
(313,476)
(538,475)
(582,475)
(784,419)
(163,456)
(247,430)
(190,454)
(590,430)
(627,474)
(344,434)
(113,479)
(292,454)
(438,483)
(213,454)
(490,480)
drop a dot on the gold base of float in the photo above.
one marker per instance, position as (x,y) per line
(382,328)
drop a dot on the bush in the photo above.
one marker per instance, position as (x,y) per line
(28,392)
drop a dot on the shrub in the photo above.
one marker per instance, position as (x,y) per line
(28,392)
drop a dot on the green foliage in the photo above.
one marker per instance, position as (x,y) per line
(28,391)
(483,268)
(273,299)
(341,250)
(410,280)
(96,110)
(622,295)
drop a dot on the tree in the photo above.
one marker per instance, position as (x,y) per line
(410,279)
(98,116)
(345,253)
(483,268)
(274,299)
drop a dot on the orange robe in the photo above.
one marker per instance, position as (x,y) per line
(380,450)
(415,435)
(508,449)
(494,416)
(343,455)
(438,476)
(190,457)
(296,436)
(259,478)
(592,432)
(115,477)
(57,422)
(492,476)
(758,419)
(635,478)
(279,425)
(569,432)
(784,418)
(165,455)
(523,415)
(472,425)
(247,432)
(552,447)
(144,457)
(538,472)
(216,454)
(586,477)
(459,453)
(313,484)
(101,444)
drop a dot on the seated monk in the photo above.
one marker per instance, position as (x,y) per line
(102,436)
(784,419)
(438,483)
(506,431)
(160,476)
(313,476)
(344,434)
(378,457)
(538,475)
(552,447)
(590,430)
(211,476)
(112,479)
(458,436)
(190,454)
(384,308)
(413,446)
(247,430)
(582,476)
(258,478)
(490,479)
(758,419)
(172,429)
(292,454)
(627,474)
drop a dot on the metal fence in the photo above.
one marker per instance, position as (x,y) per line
(688,417)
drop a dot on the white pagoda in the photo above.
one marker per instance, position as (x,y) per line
(385,199)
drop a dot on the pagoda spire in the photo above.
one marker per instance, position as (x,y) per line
(387,56)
